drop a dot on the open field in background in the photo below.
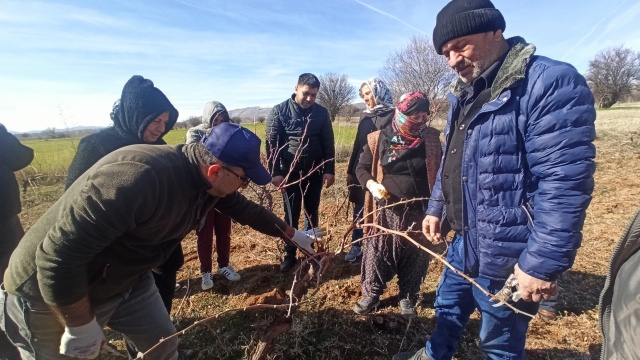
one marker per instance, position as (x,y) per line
(326,328)
(53,157)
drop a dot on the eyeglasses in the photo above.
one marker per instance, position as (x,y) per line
(245,179)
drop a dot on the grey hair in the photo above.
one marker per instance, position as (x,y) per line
(204,156)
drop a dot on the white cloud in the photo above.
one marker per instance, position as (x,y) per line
(390,16)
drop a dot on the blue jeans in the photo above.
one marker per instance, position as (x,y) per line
(502,331)
(357,233)
(138,313)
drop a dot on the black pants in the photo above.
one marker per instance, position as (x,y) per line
(308,192)
(10,234)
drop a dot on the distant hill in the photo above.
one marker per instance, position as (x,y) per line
(62,130)
(247,114)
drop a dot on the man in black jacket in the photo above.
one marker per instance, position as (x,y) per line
(301,152)
(13,157)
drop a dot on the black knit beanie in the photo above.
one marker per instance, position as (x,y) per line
(465,17)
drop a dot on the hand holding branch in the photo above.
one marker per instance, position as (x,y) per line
(377,190)
(277,180)
(533,289)
(431,229)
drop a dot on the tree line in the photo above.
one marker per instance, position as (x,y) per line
(613,76)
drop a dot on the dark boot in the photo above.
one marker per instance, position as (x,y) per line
(289,261)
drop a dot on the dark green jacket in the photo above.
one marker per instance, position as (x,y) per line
(119,220)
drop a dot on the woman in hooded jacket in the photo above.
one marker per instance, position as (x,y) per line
(378,115)
(142,115)
(398,166)
(214,114)
(13,157)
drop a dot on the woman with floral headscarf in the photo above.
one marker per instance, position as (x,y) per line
(398,164)
(378,115)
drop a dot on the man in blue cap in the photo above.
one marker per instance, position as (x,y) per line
(86,262)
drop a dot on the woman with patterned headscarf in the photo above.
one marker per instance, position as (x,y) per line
(398,164)
(378,114)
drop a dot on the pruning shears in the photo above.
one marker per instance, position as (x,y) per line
(509,292)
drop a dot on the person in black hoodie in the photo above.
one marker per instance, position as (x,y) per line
(142,115)
(378,115)
(13,157)
(301,155)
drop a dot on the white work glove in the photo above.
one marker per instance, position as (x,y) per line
(377,190)
(304,239)
(82,341)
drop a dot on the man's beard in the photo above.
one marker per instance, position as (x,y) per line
(477,68)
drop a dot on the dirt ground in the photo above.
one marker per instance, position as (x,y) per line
(325,327)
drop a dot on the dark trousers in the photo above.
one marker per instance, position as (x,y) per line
(306,192)
(357,233)
(221,225)
(166,279)
(10,234)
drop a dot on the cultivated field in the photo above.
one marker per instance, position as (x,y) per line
(324,326)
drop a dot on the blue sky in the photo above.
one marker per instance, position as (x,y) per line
(63,63)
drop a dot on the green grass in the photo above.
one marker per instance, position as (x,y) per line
(53,157)
(175,137)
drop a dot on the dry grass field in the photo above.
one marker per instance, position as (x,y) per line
(325,327)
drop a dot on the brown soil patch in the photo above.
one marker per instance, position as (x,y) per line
(325,327)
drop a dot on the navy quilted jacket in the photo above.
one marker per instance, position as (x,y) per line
(527,171)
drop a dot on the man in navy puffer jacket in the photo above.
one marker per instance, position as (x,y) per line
(515,180)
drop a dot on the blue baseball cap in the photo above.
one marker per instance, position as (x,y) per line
(237,146)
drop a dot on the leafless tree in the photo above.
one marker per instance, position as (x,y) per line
(335,93)
(417,67)
(180,125)
(613,74)
(350,112)
(193,121)
(50,133)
